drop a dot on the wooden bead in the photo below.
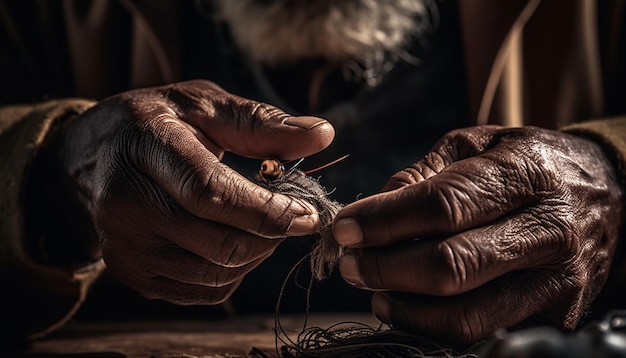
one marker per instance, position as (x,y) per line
(271,169)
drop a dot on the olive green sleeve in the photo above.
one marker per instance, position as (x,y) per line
(35,298)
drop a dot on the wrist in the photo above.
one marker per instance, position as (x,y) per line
(59,230)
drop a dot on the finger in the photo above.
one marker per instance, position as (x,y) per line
(140,270)
(456,145)
(246,127)
(460,263)
(143,228)
(220,244)
(185,267)
(466,194)
(475,315)
(205,187)
(228,247)
(181,293)
(157,253)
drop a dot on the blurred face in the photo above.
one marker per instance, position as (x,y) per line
(367,32)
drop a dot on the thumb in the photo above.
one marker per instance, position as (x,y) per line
(251,128)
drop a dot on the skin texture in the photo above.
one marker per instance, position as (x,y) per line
(173,221)
(495,227)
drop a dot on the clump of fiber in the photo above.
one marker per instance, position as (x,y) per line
(325,252)
(345,339)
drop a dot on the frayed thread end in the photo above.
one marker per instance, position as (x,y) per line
(325,251)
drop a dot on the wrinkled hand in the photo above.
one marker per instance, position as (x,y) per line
(493,228)
(174,222)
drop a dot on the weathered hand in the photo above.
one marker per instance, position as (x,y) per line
(174,222)
(493,228)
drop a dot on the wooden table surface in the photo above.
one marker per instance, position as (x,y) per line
(168,339)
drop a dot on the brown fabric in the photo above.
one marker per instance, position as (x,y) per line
(35,298)
(611,133)
(542,57)
(152,50)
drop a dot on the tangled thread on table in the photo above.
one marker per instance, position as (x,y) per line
(344,339)
(357,340)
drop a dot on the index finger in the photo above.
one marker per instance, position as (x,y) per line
(466,194)
(193,176)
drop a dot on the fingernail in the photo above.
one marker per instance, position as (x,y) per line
(305,122)
(349,270)
(347,232)
(380,307)
(304,224)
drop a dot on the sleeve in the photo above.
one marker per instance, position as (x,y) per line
(611,134)
(35,298)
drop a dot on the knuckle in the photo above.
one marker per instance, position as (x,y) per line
(218,295)
(230,251)
(250,114)
(462,142)
(200,189)
(235,252)
(458,326)
(467,327)
(279,215)
(218,277)
(263,112)
(450,277)
(449,200)
(556,233)
(433,163)
(192,91)
(403,178)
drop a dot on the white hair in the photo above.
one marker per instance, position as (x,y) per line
(370,33)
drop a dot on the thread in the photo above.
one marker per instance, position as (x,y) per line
(325,251)
(343,339)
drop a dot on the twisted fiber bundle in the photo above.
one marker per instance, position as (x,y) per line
(295,183)
(345,339)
